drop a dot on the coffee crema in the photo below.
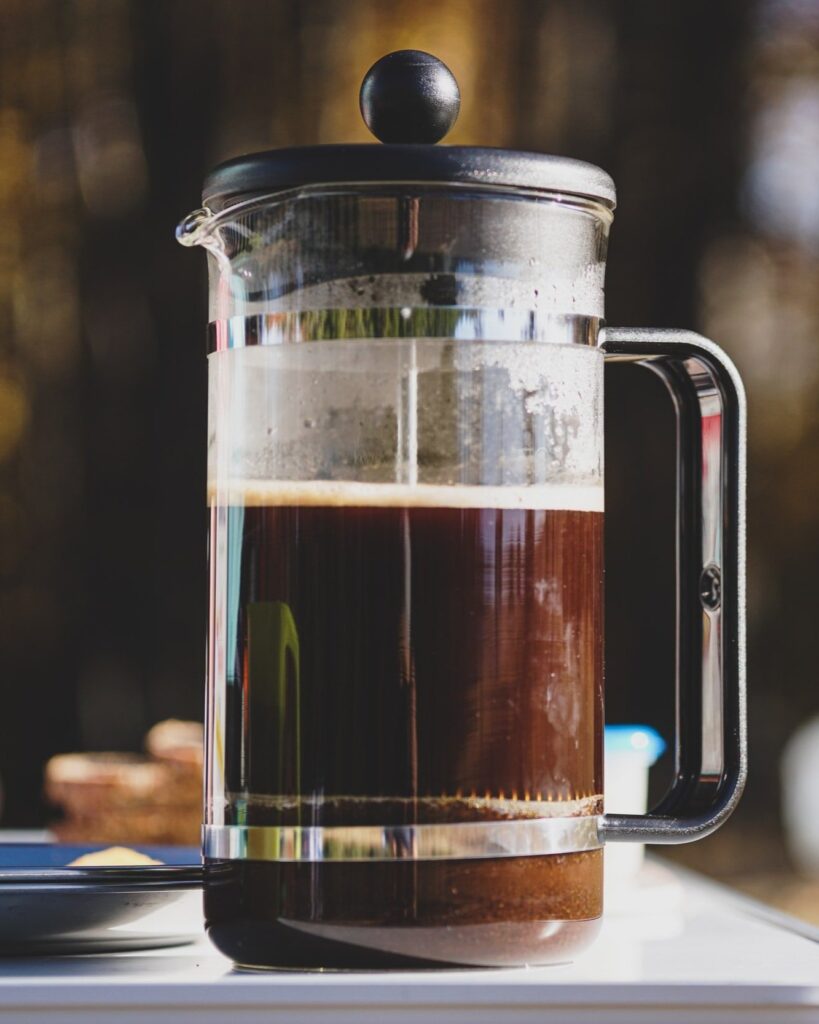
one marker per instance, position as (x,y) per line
(398,654)
(366,494)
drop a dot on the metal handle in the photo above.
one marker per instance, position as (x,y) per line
(711,754)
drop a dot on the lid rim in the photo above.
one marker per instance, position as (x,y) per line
(367,163)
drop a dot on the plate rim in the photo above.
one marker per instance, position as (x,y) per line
(104,877)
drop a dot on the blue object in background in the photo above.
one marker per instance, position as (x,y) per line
(634,739)
(42,856)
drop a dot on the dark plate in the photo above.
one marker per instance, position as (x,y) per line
(46,907)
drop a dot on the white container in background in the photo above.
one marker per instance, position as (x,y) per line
(800,797)
(630,750)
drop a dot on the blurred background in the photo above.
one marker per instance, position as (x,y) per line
(111,111)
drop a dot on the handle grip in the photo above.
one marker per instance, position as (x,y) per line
(710,742)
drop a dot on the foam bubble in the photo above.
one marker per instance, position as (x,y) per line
(574,497)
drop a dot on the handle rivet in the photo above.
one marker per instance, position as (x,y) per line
(711,587)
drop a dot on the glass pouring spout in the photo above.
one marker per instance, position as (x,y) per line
(193,229)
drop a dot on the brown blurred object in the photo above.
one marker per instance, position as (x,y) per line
(112,797)
(178,747)
(177,743)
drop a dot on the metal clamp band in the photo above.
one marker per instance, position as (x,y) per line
(529,837)
(464,323)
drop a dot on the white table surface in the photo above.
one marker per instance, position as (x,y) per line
(675,948)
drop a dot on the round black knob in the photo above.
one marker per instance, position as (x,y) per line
(409,96)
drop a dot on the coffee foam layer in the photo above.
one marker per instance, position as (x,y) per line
(499,807)
(568,497)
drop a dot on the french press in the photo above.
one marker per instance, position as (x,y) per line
(405,482)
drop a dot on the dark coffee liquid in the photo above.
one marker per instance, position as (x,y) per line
(400,664)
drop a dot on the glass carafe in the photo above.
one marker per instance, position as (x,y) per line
(405,481)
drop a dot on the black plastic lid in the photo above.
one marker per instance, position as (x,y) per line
(409,99)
